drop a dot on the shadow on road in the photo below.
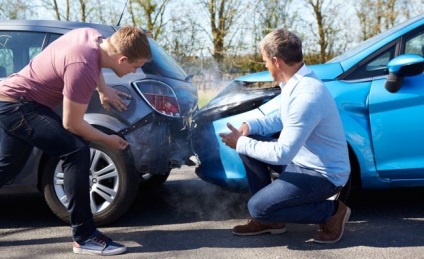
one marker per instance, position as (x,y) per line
(379,219)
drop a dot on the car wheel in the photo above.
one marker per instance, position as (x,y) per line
(113,185)
(149,181)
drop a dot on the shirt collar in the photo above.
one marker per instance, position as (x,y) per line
(303,71)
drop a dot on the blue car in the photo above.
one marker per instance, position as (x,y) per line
(379,90)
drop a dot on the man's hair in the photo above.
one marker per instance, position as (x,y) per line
(283,44)
(132,43)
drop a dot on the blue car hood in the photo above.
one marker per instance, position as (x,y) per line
(326,72)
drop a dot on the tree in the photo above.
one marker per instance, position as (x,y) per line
(376,16)
(327,27)
(273,14)
(84,10)
(408,9)
(267,16)
(15,9)
(223,16)
(107,12)
(183,43)
(59,13)
(149,14)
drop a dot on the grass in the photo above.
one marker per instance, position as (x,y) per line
(205,95)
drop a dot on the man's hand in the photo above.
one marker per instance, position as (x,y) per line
(110,97)
(230,139)
(116,142)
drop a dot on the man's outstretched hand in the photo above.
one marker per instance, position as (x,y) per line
(230,139)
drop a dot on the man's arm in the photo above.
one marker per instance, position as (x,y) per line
(73,121)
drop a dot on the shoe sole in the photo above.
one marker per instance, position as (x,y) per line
(345,219)
(268,231)
(78,250)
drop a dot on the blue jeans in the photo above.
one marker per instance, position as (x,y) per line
(298,195)
(25,125)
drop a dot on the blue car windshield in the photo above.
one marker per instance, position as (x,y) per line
(163,64)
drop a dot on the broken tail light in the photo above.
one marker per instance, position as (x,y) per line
(160,96)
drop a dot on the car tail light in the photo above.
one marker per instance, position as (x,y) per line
(160,96)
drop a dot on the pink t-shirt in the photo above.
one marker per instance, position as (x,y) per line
(70,66)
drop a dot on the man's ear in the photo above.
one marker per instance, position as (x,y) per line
(122,59)
(276,61)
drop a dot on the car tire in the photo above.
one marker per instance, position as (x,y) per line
(106,207)
(152,181)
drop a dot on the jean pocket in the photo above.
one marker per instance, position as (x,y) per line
(15,123)
(7,108)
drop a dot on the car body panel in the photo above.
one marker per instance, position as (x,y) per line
(401,147)
(263,76)
(353,109)
(28,180)
(327,71)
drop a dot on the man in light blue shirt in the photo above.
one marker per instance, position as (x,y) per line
(310,154)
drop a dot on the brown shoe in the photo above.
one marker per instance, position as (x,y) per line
(332,231)
(322,227)
(255,228)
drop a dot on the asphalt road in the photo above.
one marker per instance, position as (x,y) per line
(189,218)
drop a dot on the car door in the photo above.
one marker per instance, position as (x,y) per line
(397,126)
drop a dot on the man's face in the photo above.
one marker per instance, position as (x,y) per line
(124,66)
(271,65)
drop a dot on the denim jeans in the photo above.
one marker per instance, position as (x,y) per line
(298,195)
(25,125)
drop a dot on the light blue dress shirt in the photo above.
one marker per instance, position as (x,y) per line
(311,130)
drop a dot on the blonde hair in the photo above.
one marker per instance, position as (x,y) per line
(131,42)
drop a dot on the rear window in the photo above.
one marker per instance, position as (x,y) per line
(17,49)
(163,64)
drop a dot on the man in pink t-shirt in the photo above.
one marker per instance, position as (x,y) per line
(67,72)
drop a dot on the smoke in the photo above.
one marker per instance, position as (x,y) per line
(205,201)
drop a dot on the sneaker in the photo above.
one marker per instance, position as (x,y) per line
(332,231)
(98,244)
(255,228)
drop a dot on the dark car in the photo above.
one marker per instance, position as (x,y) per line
(379,91)
(156,124)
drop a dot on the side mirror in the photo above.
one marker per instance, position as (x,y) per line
(400,67)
